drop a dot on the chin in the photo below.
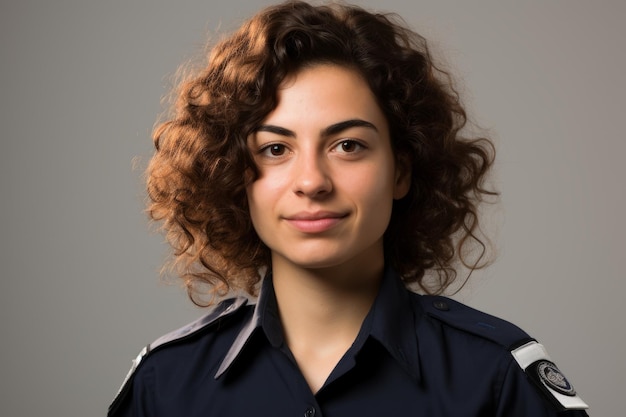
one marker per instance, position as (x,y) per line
(318,263)
(311,259)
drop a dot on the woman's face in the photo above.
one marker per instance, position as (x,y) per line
(327,172)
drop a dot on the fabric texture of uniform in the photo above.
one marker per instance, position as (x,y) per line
(414,356)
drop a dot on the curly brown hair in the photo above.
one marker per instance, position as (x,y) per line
(198,175)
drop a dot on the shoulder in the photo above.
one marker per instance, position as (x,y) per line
(473,322)
(524,354)
(211,324)
(224,309)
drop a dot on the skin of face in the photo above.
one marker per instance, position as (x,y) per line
(328,175)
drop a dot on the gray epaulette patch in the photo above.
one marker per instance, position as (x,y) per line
(223,309)
(536,363)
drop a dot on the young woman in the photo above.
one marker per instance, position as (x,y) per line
(317,164)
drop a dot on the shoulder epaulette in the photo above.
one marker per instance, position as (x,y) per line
(531,356)
(465,318)
(224,309)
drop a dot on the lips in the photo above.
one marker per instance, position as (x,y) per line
(316,222)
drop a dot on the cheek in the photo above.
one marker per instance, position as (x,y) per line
(373,192)
(267,187)
(262,197)
(374,182)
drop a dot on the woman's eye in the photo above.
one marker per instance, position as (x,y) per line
(348,146)
(275,149)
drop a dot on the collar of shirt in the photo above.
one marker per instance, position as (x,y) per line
(391,321)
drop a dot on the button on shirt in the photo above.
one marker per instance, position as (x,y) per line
(404,361)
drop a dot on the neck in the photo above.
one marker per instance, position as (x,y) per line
(318,306)
(315,298)
(325,298)
(322,311)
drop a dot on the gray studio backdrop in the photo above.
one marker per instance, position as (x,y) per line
(81,87)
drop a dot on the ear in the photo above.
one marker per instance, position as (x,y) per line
(402,182)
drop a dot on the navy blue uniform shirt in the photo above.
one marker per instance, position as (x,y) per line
(414,356)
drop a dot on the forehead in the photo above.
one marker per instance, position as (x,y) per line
(326,93)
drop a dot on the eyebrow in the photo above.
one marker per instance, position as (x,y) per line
(328,131)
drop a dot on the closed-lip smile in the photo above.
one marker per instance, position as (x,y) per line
(315,222)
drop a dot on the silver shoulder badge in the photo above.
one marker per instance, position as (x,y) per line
(536,363)
(554,378)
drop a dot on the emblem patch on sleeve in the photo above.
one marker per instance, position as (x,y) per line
(534,360)
(550,375)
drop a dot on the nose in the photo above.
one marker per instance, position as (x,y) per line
(311,178)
